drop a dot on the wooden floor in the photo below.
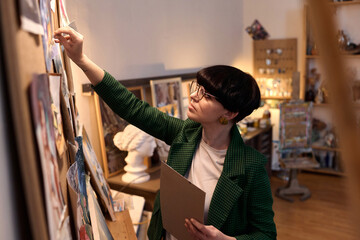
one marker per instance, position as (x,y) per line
(324,216)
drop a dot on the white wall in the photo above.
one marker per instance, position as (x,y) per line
(133,39)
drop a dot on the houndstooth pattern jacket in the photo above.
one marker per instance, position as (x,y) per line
(241,205)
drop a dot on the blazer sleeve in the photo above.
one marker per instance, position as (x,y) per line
(260,212)
(137,112)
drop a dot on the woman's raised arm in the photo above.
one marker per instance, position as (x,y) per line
(73,44)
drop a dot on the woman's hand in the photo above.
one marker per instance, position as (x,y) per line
(72,42)
(200,231)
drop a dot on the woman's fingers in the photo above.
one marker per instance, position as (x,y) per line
(194,231)
(63,40)
(200,227)
(66,30)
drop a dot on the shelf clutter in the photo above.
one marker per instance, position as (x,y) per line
(325,143)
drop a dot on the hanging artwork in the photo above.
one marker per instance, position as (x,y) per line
(54,86)
(167,96)
(97,176)
(98,223)
(78,204)
(295,125)
(64,19)
(30,16)
(46,19)
(185,85)
(46,143)
(110,124)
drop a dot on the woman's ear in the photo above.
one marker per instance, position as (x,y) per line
(230,115)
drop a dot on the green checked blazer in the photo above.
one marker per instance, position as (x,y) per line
(241,205)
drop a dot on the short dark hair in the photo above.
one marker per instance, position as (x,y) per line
(236,90)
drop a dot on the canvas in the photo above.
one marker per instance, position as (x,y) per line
(109,123)
(46,20)
(64,19)
(185,85)
(167,96)
(45,138)
(79,206)
(97,176)
(98,223)
(54,86)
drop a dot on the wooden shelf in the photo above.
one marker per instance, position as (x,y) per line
(327,105)
(344,55)
(326,148)
(276,98)
(328,171)
(346,3)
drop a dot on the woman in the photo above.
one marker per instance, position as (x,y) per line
(206,148)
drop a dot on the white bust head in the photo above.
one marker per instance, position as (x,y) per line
(134,139)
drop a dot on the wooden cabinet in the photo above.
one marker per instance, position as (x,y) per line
(261,140)
(347,16)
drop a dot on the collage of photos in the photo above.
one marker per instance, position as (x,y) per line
(65,154)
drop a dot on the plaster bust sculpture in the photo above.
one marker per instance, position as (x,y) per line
(139,145)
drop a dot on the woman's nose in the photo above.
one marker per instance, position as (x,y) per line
(194,96)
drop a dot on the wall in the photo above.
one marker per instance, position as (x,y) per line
(133,39)
(8,227)
(281,19)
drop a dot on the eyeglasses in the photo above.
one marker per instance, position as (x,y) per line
(200,91)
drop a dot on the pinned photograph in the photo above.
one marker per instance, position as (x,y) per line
(45,139)
(167,96)
(46,20)
(54,86)
(30,16)
(97,175)
(98,223)
(64,19)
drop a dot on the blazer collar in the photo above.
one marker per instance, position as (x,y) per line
(230,182)
(234,159)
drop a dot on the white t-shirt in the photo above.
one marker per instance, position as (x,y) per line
(204,173)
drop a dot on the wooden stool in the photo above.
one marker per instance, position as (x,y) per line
(293,187)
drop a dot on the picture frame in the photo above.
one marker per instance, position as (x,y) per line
(97,177)
(109,123)
(167,96)
(186,94)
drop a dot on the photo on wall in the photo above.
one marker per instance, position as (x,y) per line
(186,95)
(54,87)
(47,41)
(43,123)
(97,175)
(167,96)
(30,16)
(109,123)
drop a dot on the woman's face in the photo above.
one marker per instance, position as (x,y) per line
(205,110)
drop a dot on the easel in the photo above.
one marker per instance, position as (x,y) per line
(295,142)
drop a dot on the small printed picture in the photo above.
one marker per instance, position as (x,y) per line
(46,143)
(97,175)
(54,86)
(46,19)
(30,16)
(186,95)
(167,96)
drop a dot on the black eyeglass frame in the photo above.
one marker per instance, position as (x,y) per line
(199,94)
